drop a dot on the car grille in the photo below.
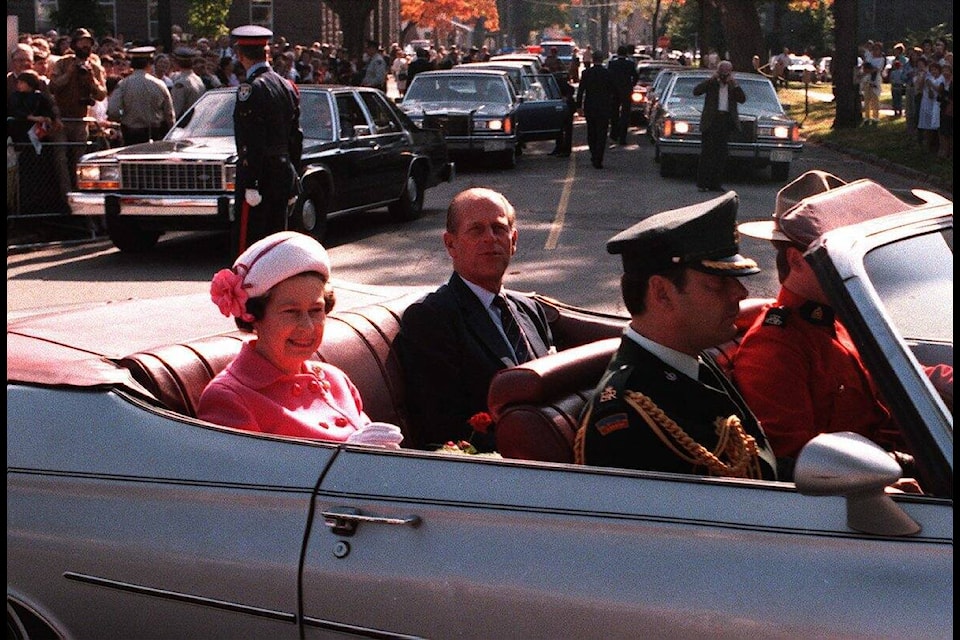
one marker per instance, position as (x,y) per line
(747,132)
(450,125)
(174,177)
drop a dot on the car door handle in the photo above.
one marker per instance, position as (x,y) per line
(343,521)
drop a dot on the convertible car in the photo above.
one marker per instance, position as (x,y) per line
(359,153)
(128,517)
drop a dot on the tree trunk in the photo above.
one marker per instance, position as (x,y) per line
(844,62)
(741,29)
(353,16)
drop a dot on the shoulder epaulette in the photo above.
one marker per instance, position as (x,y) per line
(776,317)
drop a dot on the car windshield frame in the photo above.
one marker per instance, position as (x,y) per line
(872,274)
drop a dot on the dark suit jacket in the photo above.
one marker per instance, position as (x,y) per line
(596,91)
(616,435)
(624,72)
(711,87)
(449,349)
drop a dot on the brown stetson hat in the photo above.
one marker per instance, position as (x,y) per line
(818,202)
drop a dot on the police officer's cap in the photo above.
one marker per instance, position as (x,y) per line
(252,35)
(141,52)
(702,237)
(80,34)
(185,53)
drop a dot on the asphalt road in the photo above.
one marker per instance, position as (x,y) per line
(566,212)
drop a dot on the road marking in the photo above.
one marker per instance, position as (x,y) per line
(557,226)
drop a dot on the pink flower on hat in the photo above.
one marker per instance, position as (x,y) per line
(227,292)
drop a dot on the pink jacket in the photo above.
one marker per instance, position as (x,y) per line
(320,402)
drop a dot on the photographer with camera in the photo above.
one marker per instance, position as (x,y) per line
(77,82)
(721,94)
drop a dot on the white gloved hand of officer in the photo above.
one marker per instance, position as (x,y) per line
(381,434)
(253,197)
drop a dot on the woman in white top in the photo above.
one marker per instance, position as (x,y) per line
(399,70)
(928,119)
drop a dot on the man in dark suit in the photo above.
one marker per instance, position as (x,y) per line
(455,339)
(418,64)
(269,142)
(625,76)
(595,96)
(719,120)
(662,404)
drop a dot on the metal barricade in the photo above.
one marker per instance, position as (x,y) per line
(40,174)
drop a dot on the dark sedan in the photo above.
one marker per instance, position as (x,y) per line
(767,136)
(647,71)
(360,152)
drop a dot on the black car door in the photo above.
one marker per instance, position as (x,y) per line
(543,111)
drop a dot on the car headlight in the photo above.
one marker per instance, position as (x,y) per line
(681,127)
(230,177)
(98,176)
(499,124)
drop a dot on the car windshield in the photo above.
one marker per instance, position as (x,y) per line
(212,116)
(461,88)
(761,96)
(917,293)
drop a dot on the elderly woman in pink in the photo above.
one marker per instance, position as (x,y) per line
(279,290)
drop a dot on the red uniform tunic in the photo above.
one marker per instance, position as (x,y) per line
(801,374)
(320,402)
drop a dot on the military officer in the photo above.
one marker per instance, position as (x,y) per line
(662,404)
(269,141)
(141,103)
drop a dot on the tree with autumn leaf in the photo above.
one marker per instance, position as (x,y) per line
(437,15)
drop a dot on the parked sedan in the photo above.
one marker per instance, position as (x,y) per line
(647,71)
(128,517)
(767,136)
(360,152)
(476,111)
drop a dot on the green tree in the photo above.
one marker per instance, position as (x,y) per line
(73,14)
(208,18)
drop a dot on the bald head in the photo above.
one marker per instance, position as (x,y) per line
(470,198)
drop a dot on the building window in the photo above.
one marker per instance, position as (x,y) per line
(153,21)
(261,13)
(44,8)
(109,8)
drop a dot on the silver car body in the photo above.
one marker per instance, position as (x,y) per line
(125,520)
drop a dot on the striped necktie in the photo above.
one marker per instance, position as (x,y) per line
(510,327)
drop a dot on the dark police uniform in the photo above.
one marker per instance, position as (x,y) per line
(269,143)
(647,414)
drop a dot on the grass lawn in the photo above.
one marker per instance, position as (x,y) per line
(888,140)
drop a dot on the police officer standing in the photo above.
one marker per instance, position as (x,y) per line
(141,103)
(269,142)
(187,85)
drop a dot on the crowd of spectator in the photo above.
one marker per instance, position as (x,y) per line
(921,90)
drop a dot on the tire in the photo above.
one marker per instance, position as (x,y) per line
(309,215)
(780,171)
(507,159)
(129,237)
(410,204)
(668,166)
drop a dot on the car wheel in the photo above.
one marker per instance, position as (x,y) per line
(780,171)
(668,166)
(410,204)
(310,215)
(129,237)
(507,159)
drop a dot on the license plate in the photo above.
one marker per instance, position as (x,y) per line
(781,155)
(494,145)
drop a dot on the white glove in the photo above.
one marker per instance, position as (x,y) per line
(253,197)
(381,434)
